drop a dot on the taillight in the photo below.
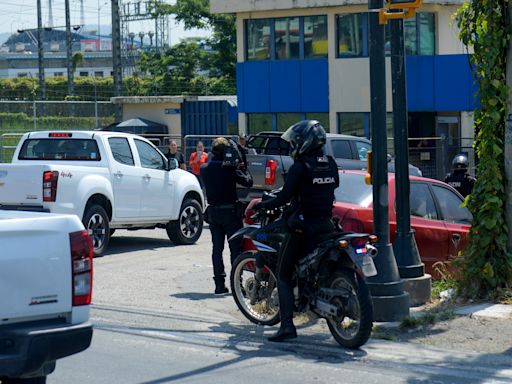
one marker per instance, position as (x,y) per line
(270,172)
(359,242)
(50,179)
(81,258)
(248,245)
(352,225)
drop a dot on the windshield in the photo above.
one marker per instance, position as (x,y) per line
(60,149)
(354,190)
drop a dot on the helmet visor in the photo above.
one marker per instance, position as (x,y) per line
(288,135)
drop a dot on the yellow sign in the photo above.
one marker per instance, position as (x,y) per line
(399,9)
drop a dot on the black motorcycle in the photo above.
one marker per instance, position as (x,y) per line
(329,281)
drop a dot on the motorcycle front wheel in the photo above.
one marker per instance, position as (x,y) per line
(352,328)
(256,299)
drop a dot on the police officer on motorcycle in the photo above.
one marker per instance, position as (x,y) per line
(221,174)
(309,186)
(459,178)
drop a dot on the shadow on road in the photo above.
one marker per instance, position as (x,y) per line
(195,296)
(126,244)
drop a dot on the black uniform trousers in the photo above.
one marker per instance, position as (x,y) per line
(224,222)
(295,246)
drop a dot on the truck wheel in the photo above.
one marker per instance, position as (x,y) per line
(96,223)
(32,380)
(188,227)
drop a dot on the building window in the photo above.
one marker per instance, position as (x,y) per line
(353,123)
(258,39)
(57,74)
(287,38)
(419,35)
(350,35)
(315,36)
(22,74)
(286,120)
(258,122)
(84,74)
(98,74)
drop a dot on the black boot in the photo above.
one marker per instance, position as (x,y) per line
(285,332)
(220,287)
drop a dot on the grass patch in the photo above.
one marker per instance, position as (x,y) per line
(426,320)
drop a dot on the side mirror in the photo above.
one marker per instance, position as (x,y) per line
(172,164)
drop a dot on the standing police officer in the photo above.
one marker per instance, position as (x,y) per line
(220,176)
(310,186)
(460,179)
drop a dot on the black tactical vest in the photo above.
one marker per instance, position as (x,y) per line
(317,187)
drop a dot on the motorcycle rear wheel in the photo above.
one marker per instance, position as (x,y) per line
(257,300)
(353,328)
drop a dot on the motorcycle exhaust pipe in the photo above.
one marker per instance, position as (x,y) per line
(371,250)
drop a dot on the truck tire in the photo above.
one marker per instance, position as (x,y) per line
(187,229)
(96,223)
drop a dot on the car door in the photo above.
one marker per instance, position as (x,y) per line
(125,178)
(156,182)
(457,219)
(431,235)
(342,152)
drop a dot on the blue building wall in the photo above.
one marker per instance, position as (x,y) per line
(434,83)
(283,86)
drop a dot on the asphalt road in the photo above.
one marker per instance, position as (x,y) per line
(157,321)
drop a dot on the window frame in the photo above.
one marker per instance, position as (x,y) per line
(440,208)
(129,147)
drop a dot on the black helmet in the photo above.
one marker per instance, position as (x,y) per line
(304,137)
(460,162)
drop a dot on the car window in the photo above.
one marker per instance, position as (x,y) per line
(70,149)
(121,150)
(354,190)
(149,156)
(341,149)
(276,146)
(422,202)
(450,205)
(362,150)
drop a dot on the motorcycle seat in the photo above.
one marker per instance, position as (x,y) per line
(329,236)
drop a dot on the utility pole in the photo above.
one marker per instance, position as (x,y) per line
(40,48)
(390,302)
(508,138)
(410,267)
(116,52)
(69,51)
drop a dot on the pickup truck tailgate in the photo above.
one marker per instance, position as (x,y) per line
(21,184)
(34,287)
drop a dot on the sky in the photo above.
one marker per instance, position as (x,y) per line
(22,14)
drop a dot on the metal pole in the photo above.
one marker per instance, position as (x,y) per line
(40,42)
(116,52)
(69,50)
(390,301)
(96,104)
(410,267)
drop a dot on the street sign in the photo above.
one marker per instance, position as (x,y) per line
(399,9)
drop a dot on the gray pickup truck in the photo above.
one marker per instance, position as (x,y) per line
(268,159)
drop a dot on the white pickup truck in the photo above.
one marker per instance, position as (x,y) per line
(110,180)
(45,289)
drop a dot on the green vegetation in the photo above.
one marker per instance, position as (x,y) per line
(486,265)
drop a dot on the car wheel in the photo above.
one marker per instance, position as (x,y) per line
(97,225)
(188,227)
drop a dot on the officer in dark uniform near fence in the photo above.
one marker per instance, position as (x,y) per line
(459,178)
(224,213)
(310,186)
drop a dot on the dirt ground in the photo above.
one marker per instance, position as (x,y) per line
(439,326)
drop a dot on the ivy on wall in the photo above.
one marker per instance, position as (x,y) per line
(486,265)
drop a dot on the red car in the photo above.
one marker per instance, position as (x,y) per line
(441,225)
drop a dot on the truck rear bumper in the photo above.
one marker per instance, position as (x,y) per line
(20,207)
(32,348)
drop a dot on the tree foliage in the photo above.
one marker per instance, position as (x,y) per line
(486,266)
(195,62)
